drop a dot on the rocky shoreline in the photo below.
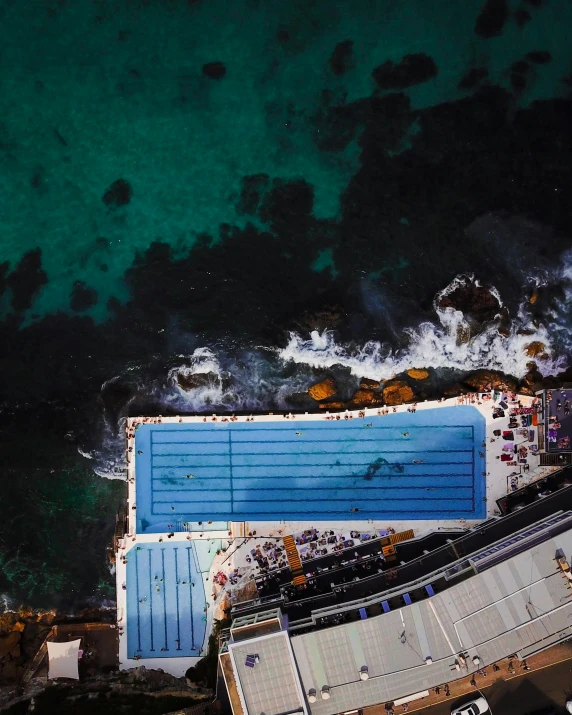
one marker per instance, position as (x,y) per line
(138,690)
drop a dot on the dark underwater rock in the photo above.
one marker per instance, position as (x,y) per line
(492,18)
(473,78)
(251,192)
(118,194)
(518,81)
(214,70)
(282,35)
(4,266)
(82,297)
(539,57)
(341,58)
(521,17)
(413,69)
(520,67)
(27,279)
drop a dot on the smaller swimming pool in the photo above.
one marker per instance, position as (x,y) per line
(166,601)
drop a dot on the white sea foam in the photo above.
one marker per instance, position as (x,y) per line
(435,345)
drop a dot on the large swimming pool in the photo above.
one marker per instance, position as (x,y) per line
(423,465)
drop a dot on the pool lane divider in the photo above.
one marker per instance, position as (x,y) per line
(177,594)
(152,648)
(164,582)
(191,598)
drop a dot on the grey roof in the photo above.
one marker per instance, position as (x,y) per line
(519,605)
(493,614)
(272,686)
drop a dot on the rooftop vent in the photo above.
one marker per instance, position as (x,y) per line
(326,692)
(312,695)
(363,674)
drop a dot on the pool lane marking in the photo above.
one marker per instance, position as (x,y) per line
(177,594)
(230,470)
(164,596)
(138,603)
(191,599)
(151,603)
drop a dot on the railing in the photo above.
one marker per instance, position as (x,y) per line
(403,588)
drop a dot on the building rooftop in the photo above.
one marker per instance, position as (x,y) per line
(522,602)
(407,466)
(270,685)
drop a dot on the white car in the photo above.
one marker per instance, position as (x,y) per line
(478,706)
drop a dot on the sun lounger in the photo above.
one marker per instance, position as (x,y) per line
(385,606)
(429,589)
(407,599)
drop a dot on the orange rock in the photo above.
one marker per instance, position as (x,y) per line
(418,374)
(332,405)
(366,384)
(324,389)
(18,626)
(363,397)
(534,297)
(397,392)
(534,348)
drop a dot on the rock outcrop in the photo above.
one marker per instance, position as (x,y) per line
(418,374)
(323,390)
(364,398)
(397,392)
(191,381)
(483,380)
(366,384)
(477,303)
(535,349)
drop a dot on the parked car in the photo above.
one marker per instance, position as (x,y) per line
(478,706)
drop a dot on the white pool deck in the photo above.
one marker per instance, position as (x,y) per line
(238,547)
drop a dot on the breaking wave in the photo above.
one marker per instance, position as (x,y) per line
(434,345)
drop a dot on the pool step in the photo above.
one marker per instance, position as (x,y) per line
(292,554)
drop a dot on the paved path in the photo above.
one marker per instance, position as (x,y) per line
(547,683)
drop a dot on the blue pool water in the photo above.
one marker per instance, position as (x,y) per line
(166,599)
(424,465)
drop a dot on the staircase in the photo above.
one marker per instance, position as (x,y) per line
(401,536)
(294,561)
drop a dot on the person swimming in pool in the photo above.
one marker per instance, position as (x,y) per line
(190,476)
(417,461)
(405,434)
